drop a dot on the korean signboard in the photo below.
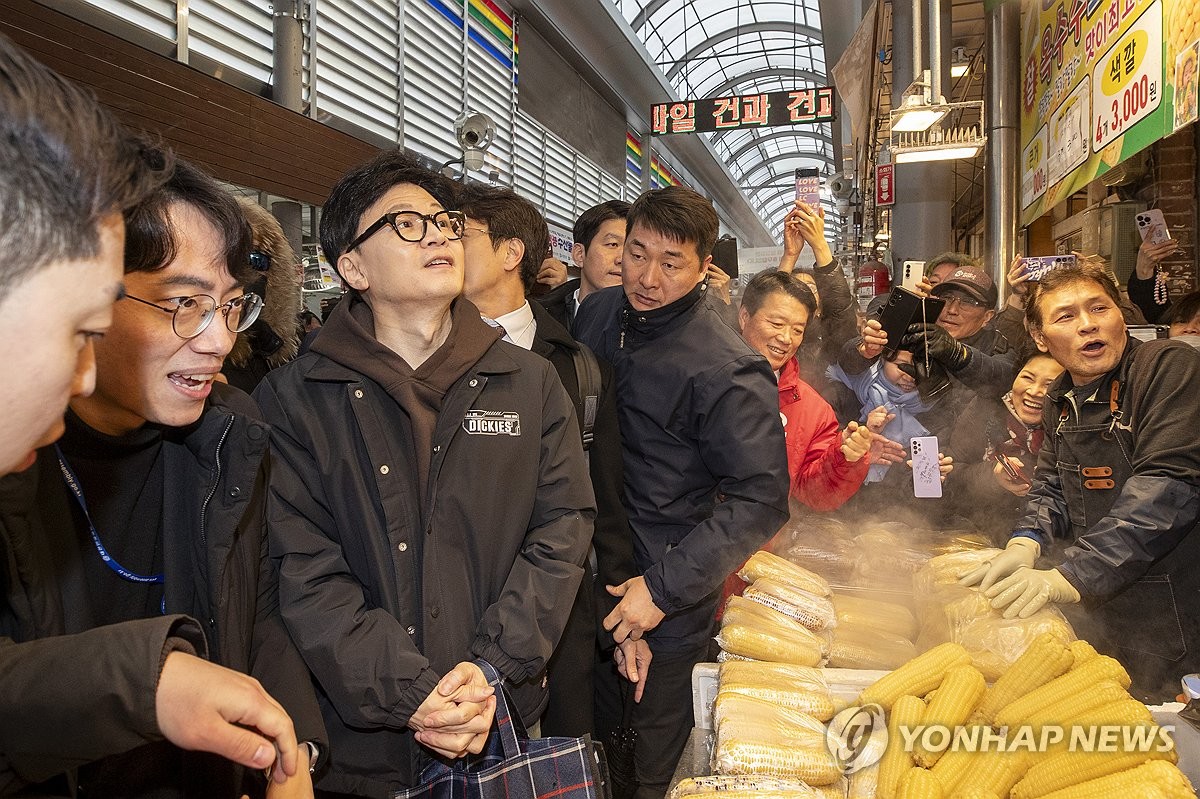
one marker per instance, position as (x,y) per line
(743,111)
(885,184)
(1101,80)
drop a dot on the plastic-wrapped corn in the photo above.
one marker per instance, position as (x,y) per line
(860,613)
(869,649)
(995,642)
(951,705)
(756,737)
(1160,774)
(732,786)
(1044,659)
(918,676)
(764,564)
(784,684)
(864,783)
(755,631)
(812,611)
(728,657)
(948,568)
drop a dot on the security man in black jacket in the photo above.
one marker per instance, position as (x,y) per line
(706,477)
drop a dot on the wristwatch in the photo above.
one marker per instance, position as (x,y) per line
(314,757)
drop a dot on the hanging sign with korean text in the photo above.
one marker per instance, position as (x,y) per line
(885,184)
(772,109)
(1099,84)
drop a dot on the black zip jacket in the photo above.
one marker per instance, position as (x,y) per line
(1116,501)
(384,594)
(706,479)
(215,565)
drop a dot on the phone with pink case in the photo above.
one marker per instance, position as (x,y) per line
(1152,227)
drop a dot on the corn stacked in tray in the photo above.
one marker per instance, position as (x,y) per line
(770,735)
(1031,734)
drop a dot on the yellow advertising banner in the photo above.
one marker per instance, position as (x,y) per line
(1101,80)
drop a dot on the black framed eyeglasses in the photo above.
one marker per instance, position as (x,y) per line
(191,316)
(412,226)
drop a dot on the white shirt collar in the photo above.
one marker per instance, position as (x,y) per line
(519,326)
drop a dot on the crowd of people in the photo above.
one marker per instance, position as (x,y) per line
(250,552)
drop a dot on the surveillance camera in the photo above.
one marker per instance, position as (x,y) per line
(474,130)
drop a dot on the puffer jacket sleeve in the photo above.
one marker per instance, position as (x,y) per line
(742,444)
(519,632)
(71,699)
(1160,503)
(362,657)
(823,479)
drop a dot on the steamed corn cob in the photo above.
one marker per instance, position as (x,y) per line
(952,767)
(755,631)
(1158,773)
(1102,693)
(797,687)
(857,612)
(1127,712)
(919,784)
(995,771)
(917,677)
(1071,768)
(907,711)
(951,705)
(1044,659)
(764,564)
(1075,683)
(1083,651)
(813,611)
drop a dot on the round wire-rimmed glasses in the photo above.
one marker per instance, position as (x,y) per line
(192,315)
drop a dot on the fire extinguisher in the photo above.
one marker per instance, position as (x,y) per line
(873,279)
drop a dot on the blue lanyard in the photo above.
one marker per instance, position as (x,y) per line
(109,561)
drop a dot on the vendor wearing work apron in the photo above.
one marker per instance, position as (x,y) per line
(1115,500)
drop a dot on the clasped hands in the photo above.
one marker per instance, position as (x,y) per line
(455,718)
(1010,581)
(634,616)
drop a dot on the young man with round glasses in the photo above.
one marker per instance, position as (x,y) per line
(430,502)
(153,501)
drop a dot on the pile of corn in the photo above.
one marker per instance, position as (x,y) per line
(784,617)
(871,634)
(770,734)
(1051,683)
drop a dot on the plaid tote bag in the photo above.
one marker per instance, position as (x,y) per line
(515,766)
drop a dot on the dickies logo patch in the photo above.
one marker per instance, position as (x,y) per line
(492,423)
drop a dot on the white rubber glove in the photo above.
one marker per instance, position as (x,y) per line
(1026,591)
(1021,552)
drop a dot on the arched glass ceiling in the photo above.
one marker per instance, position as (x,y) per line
(714,48)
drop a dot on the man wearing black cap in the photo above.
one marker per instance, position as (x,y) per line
(976,356)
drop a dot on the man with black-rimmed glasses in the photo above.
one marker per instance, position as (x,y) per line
(430,502)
